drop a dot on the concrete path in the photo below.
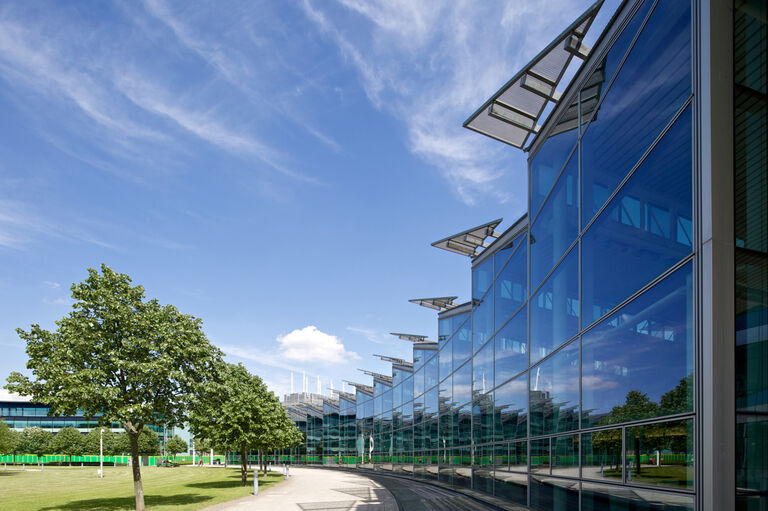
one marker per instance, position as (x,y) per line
(317,489)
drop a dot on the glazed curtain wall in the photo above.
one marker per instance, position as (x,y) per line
(751,258)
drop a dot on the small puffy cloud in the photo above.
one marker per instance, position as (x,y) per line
(311,345)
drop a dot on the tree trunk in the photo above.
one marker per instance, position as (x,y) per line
(637,454)
(243,467)
(138,490)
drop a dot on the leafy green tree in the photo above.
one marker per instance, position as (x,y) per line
(68,441)
(176,445)
(7,438)
(149,443)
(679,399)
(239,411)
(36,441)
(636,406)
(110,441)
(118,357)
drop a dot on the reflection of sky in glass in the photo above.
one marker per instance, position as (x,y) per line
(646,346)
(554,392)
(511,348)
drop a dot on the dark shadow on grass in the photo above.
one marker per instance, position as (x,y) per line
(128,503)
(10,472)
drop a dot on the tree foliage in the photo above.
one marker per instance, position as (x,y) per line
(240,412)
(68,441)
(37,441)
(111,442)
(176,445)
(118,357)
(8,439)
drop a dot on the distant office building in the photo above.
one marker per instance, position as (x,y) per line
(614,354)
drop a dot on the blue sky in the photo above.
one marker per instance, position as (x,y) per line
(276,168)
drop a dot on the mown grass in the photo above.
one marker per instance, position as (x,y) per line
(76,489)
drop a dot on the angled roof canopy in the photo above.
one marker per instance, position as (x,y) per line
(512,114)
(410,337)
(468,242)
(365,389)
(442,303)
(395,361)
(378,376)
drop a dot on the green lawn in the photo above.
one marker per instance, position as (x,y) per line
(73,489)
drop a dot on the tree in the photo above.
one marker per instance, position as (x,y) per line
(239,411)
(68,441)
(37,441)
(110,441)
(118,357)
(176,445)
(149,443)
(636,406)
(7,438)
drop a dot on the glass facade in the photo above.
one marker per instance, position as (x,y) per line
(570,379)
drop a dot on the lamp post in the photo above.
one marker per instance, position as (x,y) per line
(101,453)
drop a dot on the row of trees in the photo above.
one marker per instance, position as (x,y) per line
(119,357)
(70,442)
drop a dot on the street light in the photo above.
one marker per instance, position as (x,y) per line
(101,453)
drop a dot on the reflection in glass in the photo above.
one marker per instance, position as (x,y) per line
(430,371)
(557,225)
(462,384)
(482,276)
(511,348)
(601,455)
(446,395)
(462,343)
(554,392)
(482,473)
(510,287)
(660,454)
(546,165)
(511,407)
(651,86)
(540,462)
(565,456)
(555,308)
(482,420)
(550,494)
(463,431)
(601,497)
(509,484)
(482,369)
(446,358)
(638,362)
(482,321)
(645,229)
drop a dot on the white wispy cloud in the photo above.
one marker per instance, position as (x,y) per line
(431,64)
(372,335)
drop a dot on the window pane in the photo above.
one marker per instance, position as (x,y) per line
(446,395)
(550,494)
(418,381)
(446,358)
(661,454)
(508,484)
(636,237)
(443,329)
(430,404)
(555,308)
(430,371)
(511,409)
(511,348)
(510,288)
(482,276)
(554,392)
(557,225)
(482,322)
(462,343)
(482,420)
(638,363)
(482,370)
(540,456)
(546,165)
(651,86)
(462,384)
(601,497)
(565,456)
(463,433)
(601,455)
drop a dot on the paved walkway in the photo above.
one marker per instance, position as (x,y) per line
(316,489)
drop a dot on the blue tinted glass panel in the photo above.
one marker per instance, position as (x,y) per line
(418,382)
(555,308)
(431,403)
(443,329)
(511,408)
(482,322)
(457,321)
(638,362)
(546,165)
(510,289)
(557,225)
(601,497)
(511,346)
(635,237)
(554,392)
(430,371)
(462,343)
(549,494)
(501,257)
(446,359)
(408,389)
(462,384)
(482,370)
(651,86)
(482,276)
(595,86)
(446,394)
